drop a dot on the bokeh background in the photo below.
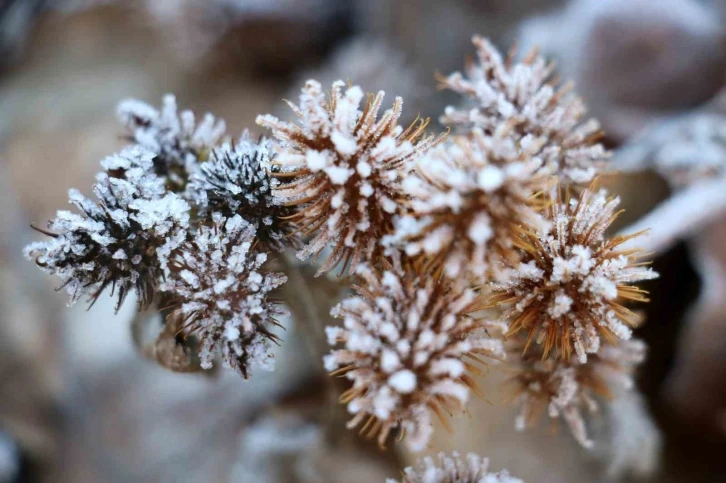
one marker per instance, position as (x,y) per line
(79,404)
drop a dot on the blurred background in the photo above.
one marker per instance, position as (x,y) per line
(79,404)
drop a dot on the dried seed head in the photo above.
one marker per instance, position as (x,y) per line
(568,389)
(346,167)
(525,96)
(237,180)
(468,200)
(124,240)
(570,285)
(178,143)
(471,468)
(223,294)
(408,346)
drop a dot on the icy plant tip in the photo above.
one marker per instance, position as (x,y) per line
(408,347)
(122,241)
(238,180)
(179,144)
(525,96)
(468,199)
(345,167)
(224,294)
(569,390)
(571,283)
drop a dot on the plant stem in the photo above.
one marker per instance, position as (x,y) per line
(305,305)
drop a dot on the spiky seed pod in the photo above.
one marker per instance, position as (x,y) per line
(123,240)
(177,141)
(570,390)
(347,169)
(225,295)
(456,468)
(526,96)
(468,199)
(408,348)
(570,285)
(238,180)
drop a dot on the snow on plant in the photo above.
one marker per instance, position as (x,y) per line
(468,200)
(569,287)
(346,168)
(122,241)
(225,295)
(429,232)
(408,343)
(178,142)
(238,179)
(568,390)
(524,96)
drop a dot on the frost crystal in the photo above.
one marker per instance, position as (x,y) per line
(467,200)
(570,284)
(347,169)
(237,180)
(471,468)
(177,141)
(405,339)
(524,96)
(567,389)
(224,295)
(123,240)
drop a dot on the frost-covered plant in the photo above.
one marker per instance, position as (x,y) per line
(346,168)
(430,233)
(569,287)
(178,142)
(456,468)
(408,346)
(238,180)
(121,241)
(225,295)
(468,199)
(525,96)
(567,389)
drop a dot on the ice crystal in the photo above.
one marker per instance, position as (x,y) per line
(224,295)
(456,468)
(238,180)
(468,199)
(347,169)
(525,96)
(569,389)
(569,286)
(408,344)
(178,142)
(123,240)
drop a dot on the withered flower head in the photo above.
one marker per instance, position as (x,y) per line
(570,285)
(346,169)
(237,180)
(525,95)
(123,240)
(456,468)
(468,199)
(177,141)
(569,389)
(408,346)
(224,295)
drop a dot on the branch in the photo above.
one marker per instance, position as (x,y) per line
(679,217)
